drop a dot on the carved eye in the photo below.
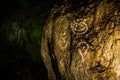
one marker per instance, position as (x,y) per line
(79,28)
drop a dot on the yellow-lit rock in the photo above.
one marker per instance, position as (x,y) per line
(83,44)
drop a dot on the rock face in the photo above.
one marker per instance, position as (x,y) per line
(81,41)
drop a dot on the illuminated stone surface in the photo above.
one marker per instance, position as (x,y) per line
(83,44)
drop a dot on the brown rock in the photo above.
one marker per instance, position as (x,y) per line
(83,43)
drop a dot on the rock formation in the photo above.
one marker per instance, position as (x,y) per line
(81,40)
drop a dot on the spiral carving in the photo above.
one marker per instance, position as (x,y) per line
(79,28)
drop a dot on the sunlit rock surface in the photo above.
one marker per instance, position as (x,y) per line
(82,42)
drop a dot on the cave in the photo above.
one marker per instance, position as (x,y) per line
(60,40)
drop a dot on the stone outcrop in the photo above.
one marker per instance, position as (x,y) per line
(81,41)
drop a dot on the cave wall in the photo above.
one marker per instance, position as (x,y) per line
(81,41)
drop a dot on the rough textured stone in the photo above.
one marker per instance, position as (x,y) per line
(82,42)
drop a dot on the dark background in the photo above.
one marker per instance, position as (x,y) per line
(21,60)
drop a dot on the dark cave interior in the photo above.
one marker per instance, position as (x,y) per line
(17,61)
(21,26)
